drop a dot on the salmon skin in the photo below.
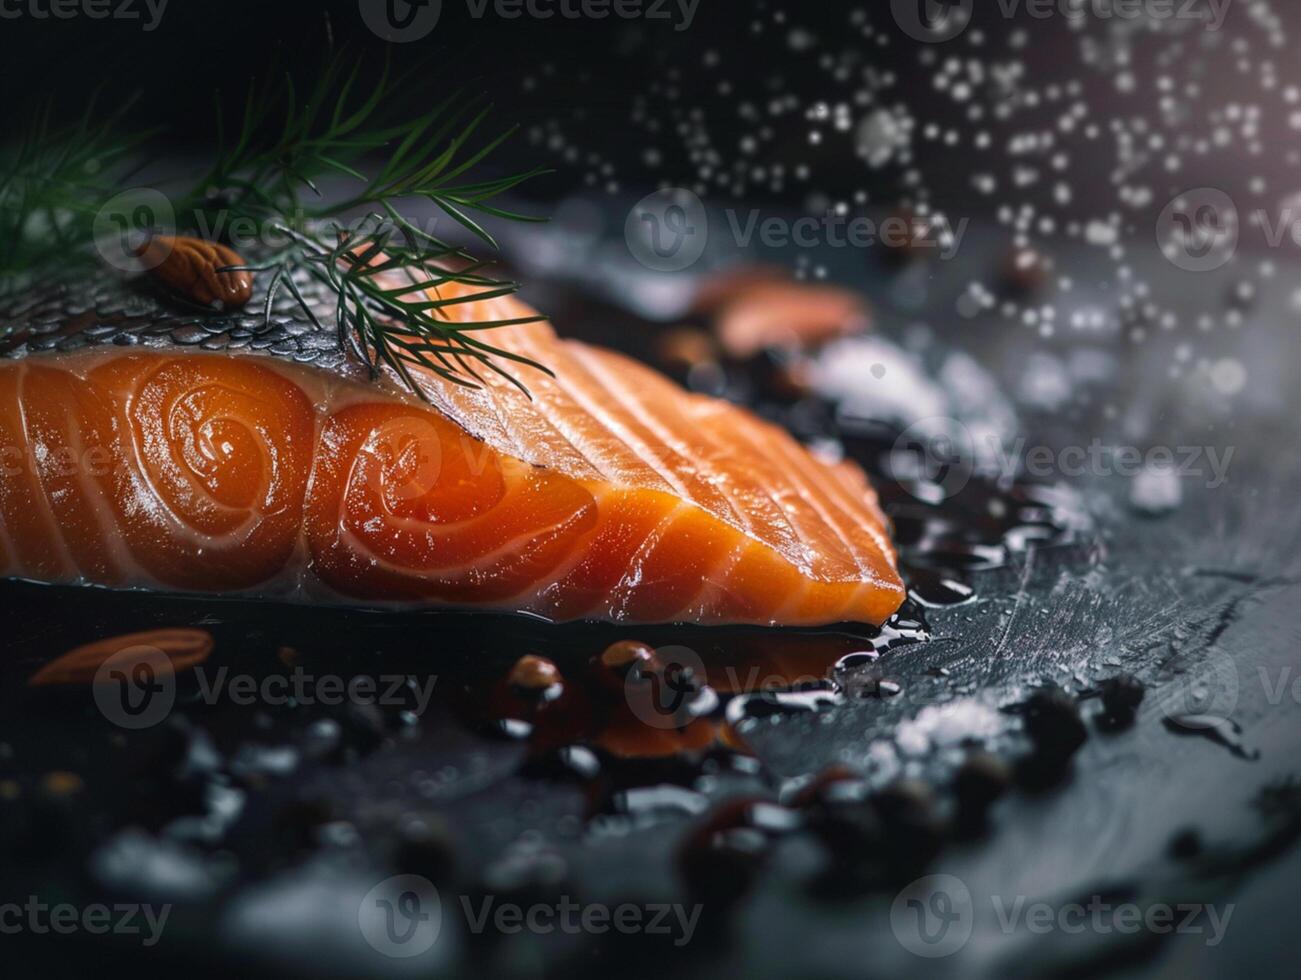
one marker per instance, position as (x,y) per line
(193,458)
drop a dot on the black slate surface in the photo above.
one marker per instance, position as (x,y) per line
(1194,603)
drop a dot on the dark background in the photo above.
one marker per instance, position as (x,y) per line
(582,78)
(1220,574)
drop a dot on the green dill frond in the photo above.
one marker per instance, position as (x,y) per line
(270,159)
(286,143)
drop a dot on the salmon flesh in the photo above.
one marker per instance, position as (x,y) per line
(141,450)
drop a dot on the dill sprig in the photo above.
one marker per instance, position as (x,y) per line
(267,168)
(269,172)
(388,310)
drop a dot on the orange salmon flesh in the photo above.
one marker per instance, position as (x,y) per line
(610,494)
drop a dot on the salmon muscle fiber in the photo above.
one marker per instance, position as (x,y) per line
(611,493)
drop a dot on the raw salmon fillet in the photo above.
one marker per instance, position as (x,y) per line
(612,494)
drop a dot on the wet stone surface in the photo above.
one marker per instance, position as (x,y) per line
(1027,700)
